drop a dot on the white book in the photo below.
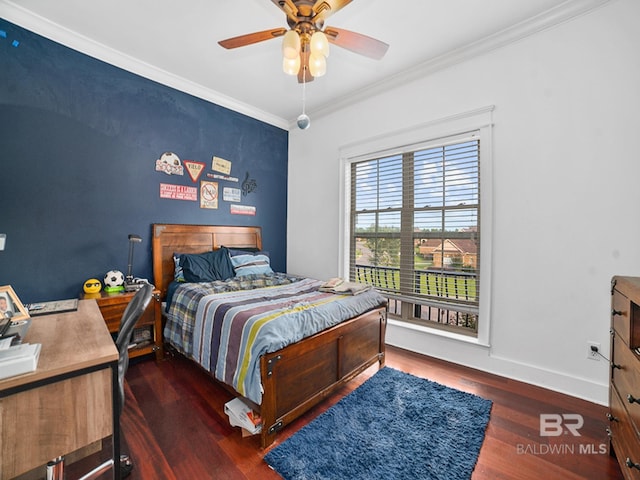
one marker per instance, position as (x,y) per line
(241,415)
(19,359)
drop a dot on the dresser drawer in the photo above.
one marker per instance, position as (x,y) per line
(620,314)
(625,440)
(113,307)
(626,378)
(112,314)
(147,334)
(625,306)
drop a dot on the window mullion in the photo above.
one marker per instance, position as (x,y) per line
(406,232)
(444,204)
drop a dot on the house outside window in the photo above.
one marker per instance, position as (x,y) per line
(413,229)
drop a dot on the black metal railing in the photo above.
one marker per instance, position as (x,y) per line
(439,285)
(383,278)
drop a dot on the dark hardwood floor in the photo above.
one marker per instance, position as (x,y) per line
(174,426)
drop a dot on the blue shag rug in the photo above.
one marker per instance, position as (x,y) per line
(394,426)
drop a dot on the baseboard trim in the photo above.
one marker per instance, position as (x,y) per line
(481,358)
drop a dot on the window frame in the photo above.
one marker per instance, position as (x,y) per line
(414,138)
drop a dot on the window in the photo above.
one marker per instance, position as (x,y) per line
(413,228)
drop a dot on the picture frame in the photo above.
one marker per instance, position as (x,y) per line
(11,306)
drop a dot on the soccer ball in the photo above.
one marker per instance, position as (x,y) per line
(113,278)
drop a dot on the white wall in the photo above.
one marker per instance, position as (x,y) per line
(566,196)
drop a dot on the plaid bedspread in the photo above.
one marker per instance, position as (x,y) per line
(182,306)
(227,328)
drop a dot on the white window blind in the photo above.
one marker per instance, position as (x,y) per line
(415,226)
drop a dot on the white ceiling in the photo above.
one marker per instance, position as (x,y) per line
(175,43)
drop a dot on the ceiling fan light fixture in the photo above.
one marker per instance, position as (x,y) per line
(291,45)
(291,66)
(317,65)
(305,43)
(319,43)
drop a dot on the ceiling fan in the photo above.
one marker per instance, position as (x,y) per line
(305,46)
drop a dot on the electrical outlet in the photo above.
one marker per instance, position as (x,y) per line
(590,353)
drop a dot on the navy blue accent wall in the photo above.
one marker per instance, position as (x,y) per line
(79,140)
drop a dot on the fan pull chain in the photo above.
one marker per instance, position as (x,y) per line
(303,120)
(304,90)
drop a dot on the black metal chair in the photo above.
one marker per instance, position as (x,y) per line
(130,317)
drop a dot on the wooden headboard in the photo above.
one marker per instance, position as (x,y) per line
(173,238)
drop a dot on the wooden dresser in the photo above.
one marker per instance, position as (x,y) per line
(624,388)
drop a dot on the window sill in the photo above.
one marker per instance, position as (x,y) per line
(437,332)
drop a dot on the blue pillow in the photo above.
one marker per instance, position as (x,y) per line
(208,266)
(248,263)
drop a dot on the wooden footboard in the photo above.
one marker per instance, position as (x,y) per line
(301,375)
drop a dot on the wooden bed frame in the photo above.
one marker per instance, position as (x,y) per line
(300,375)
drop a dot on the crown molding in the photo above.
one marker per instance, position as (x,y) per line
(53,31)
(555,16)
(560,14)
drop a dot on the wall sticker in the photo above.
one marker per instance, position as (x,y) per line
(230,194)
(14,43)
(221,165)
(178,192)
(223,177)
(194,169)
(170,164)
(243,209)
(248,185)
(208,194)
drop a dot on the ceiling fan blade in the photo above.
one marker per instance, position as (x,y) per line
(356,42)
(325,8)
(251,38)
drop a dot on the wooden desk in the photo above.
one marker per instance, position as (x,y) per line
(68,402)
